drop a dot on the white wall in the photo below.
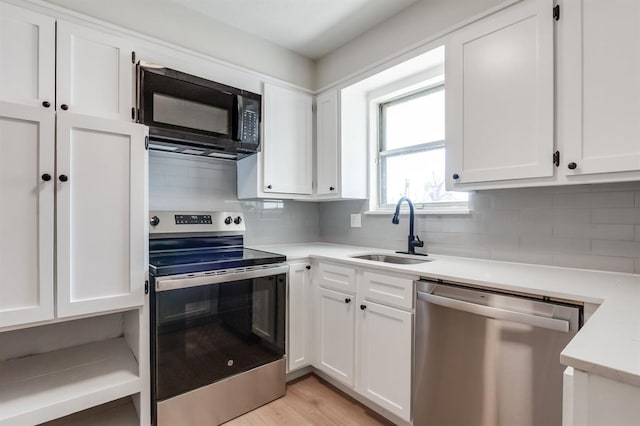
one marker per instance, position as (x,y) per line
(408,28)
(173,23)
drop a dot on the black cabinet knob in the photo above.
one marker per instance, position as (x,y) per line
(228,220)
(64,107)
(456,176)
(154,221)
(237,220)
(572,166)
(331,188)
(347,300)
(363,307)
(46,104)
(308,267)
(46,177)
(269,186)
(63,178)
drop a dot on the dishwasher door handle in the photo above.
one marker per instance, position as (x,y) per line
(496,313)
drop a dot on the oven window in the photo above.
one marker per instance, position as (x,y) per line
(189,114)
(207,333)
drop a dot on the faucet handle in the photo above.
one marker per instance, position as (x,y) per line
(418,242)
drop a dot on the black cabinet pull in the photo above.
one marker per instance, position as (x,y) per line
(347,300)
(456,176)
(46,104)
(269,187)
(64,107)
(46,177)
(331,188)
(63,178)
(572,166)
(363,307)
(307,267)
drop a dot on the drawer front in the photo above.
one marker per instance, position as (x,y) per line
(336,277)
(388,290)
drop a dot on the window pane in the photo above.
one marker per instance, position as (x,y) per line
(419,176)
(415,121)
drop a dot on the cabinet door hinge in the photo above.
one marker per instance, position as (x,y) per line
(146,287)
(133,57)
(556,158)
(556,12)
(146,143)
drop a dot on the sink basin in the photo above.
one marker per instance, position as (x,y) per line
(388,258)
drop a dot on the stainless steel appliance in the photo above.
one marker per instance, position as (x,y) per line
(487,357)
(217,319)
(192,115)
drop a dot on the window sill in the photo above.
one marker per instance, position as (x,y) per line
(421,212)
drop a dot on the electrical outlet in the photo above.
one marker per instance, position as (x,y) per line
(356,220)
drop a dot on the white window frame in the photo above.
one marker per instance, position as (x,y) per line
(431,80)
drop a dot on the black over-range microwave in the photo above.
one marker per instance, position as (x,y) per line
(192,115)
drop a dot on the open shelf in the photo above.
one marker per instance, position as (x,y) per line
(121,412)
(43,387)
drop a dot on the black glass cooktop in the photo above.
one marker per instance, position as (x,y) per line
(177,256)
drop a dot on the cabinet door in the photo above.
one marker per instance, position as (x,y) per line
(384,351)
(336,333)
(95,72)
(287,145)
(101,205)
(26,216)
(599,75)
(27,56)
(499,96)
(327,143)
(300,314)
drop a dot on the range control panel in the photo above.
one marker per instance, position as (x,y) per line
(167,222)
(193,219)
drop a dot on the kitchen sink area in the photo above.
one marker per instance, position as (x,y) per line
(389,258)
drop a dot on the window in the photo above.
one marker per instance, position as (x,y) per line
(411,154)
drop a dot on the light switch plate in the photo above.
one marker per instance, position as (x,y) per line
(356,220)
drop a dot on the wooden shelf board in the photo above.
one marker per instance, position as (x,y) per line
(47,386)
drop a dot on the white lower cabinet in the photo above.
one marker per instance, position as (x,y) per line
(300,302)
(364,344)
(589,399)
(384,357)
(336,333)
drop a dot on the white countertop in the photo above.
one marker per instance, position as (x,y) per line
(607,345)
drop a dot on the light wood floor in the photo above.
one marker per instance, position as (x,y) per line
(310,401)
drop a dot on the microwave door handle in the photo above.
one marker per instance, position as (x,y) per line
(239,122)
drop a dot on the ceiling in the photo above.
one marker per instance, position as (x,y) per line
(311,28)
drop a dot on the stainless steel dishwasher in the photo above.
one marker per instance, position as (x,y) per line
(488,358)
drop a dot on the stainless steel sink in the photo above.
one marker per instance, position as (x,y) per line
(388,258)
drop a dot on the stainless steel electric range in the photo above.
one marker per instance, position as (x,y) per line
(217,319)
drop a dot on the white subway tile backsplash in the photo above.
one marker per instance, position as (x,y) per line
(616,248)
(624,216)
(594,231)
(555,245)
(594,199)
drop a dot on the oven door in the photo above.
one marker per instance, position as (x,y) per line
(212,327)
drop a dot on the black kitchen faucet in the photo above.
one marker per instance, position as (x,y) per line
(413,240)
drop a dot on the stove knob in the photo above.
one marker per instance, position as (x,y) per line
(228,220)
(154,221)
(237,220)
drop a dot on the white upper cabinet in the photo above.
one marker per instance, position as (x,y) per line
(499,96)
(26,217)
(599,87)
(95,73)
(327,157)
(101,214)
(27,57)
(288,141)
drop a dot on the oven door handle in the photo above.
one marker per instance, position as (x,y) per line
(164,284)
